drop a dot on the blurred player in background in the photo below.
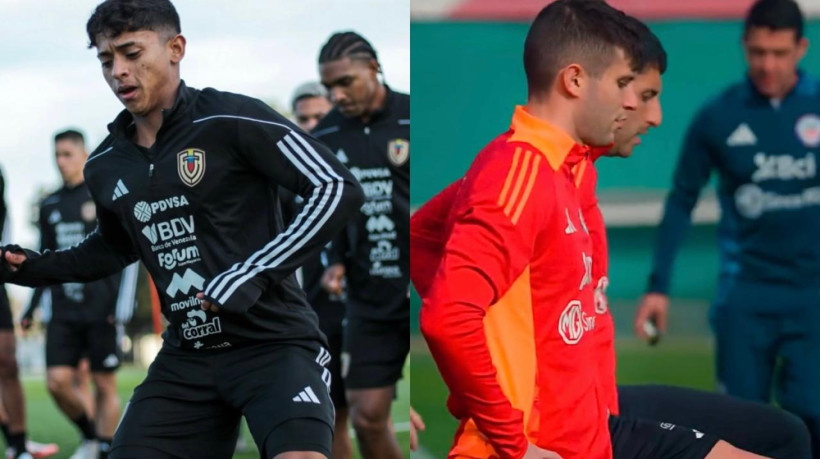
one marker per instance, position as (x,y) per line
(761,136)
(83,319)
(310,104)
(369,130)
(13,421)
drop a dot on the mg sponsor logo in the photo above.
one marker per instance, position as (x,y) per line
(378,189)
(178,257)
(574,322)
(783,167)
(144,211)
(164,231)
(184,283)
(187,303)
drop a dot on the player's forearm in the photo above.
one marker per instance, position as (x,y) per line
(452,324)
(327,211)
(91,260)
(672,230)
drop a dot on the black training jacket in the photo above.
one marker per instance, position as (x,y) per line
(199,208)
(375,246)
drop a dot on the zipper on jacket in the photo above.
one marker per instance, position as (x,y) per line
(151,175)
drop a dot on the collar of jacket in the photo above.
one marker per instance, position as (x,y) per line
(123,124)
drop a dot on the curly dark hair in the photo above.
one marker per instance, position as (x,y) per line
(113,17)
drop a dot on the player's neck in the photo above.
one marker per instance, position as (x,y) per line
(379,99)
(148,125)
(74,182)
(555,112)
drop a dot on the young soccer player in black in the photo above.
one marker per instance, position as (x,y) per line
(183,182)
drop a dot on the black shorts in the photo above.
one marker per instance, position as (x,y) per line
(642,439)
(6,321)
(759,428)
(190,404)
(374,352)
(331,315)
(68,342)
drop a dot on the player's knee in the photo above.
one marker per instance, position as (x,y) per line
(59,384)
(8,364)
(9,368)
(369,420)
(106,384)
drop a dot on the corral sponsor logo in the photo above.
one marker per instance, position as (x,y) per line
(384,251)
(193,330)
(144,211)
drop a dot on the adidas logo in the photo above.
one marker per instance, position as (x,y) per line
(111,361)
(55,217)
(307,395)
(698,435)
(570,227)
(742,136)
(341,156)
(119,191)
(583,223)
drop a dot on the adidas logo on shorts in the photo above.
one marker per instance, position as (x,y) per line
(307,395)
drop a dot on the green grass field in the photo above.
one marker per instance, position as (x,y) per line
(47,424)
(684,358)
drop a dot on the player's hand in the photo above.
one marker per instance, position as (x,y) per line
(333,279)
(653,308)
(534,452)
(416,426)
(13,258)
(206,305)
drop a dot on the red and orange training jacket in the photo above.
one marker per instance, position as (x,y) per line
(509,315)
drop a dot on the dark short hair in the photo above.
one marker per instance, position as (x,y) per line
(650,52)
(70,134)
(347,44)
(583,31)
(114,17)
(775,15)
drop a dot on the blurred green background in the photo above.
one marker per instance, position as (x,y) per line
(467,77)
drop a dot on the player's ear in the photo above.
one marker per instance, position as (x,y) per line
(572,79)
(176,48)
(802,47)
